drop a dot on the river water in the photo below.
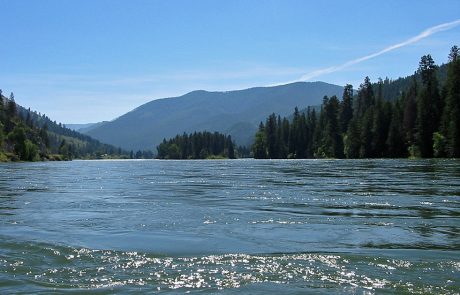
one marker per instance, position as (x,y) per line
(241,226)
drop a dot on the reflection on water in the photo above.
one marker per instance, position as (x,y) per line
(250,226)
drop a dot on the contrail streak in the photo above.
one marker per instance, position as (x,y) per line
(428,32)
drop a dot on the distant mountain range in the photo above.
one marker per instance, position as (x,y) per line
(83,128)
(236,113)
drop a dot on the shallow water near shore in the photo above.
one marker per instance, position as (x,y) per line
(254,226)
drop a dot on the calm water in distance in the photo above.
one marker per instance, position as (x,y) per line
(242,226)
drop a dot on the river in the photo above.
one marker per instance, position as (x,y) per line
(235,226)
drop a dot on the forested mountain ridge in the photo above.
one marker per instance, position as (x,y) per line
(30,136)
(236,113)
(421,120)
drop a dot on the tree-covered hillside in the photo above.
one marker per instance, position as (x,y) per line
(26,135)
(236,113)
(411,117)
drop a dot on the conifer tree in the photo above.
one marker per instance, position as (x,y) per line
(410,114)
(428,107)
(452,109)
(352,140)
(271,137)
(259,148)
(331,142)
(346,108)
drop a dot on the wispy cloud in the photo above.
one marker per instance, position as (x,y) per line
(428,32)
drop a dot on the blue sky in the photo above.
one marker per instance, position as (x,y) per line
(87,61)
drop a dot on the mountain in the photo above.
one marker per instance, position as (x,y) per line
(236,113)
(83,128)
(77,127)
(80,145)
(30,136)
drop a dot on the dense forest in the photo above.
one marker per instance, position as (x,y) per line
(384,119)
(199,145)
(26,135)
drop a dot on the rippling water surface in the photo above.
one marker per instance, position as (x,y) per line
(251,226)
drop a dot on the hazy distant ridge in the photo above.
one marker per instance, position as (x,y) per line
(237,113)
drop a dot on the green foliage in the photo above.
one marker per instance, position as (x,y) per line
(279,138)
(31,151)
(352,140)
(28,136)
(395,144)
(418,122)
(18,138)
(439,145)
(414,151)
(428,111)
(259,147)
(331,145)
(199,145)
(451,116)
(65,150)
(409,100)
(346,109)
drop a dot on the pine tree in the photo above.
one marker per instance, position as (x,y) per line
(259,147)
(428,109)
(11,108)
(230,148)
(272,136)
(380,127)
(352,140)
(281,138)
(18,138)
(365,97)
(311,123)
(294,134)
(410,114)
(452,109)
(395,140)
(331,141)
(366,136)
(346,108)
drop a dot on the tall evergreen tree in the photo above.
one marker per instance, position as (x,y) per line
(410,114)
(282,138)
(294,134)
(366,149)
(352,140)
(272,137)
(381,122)
(452,109)
(365,97)
(331,142)
(230,148)
(346,108)
(11,108)
(259,148)
(311,123)
(428,107)
(396,146)
(396,122)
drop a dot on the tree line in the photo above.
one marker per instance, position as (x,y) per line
(421,121)
(26,135)
(199,145)
(19,139)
